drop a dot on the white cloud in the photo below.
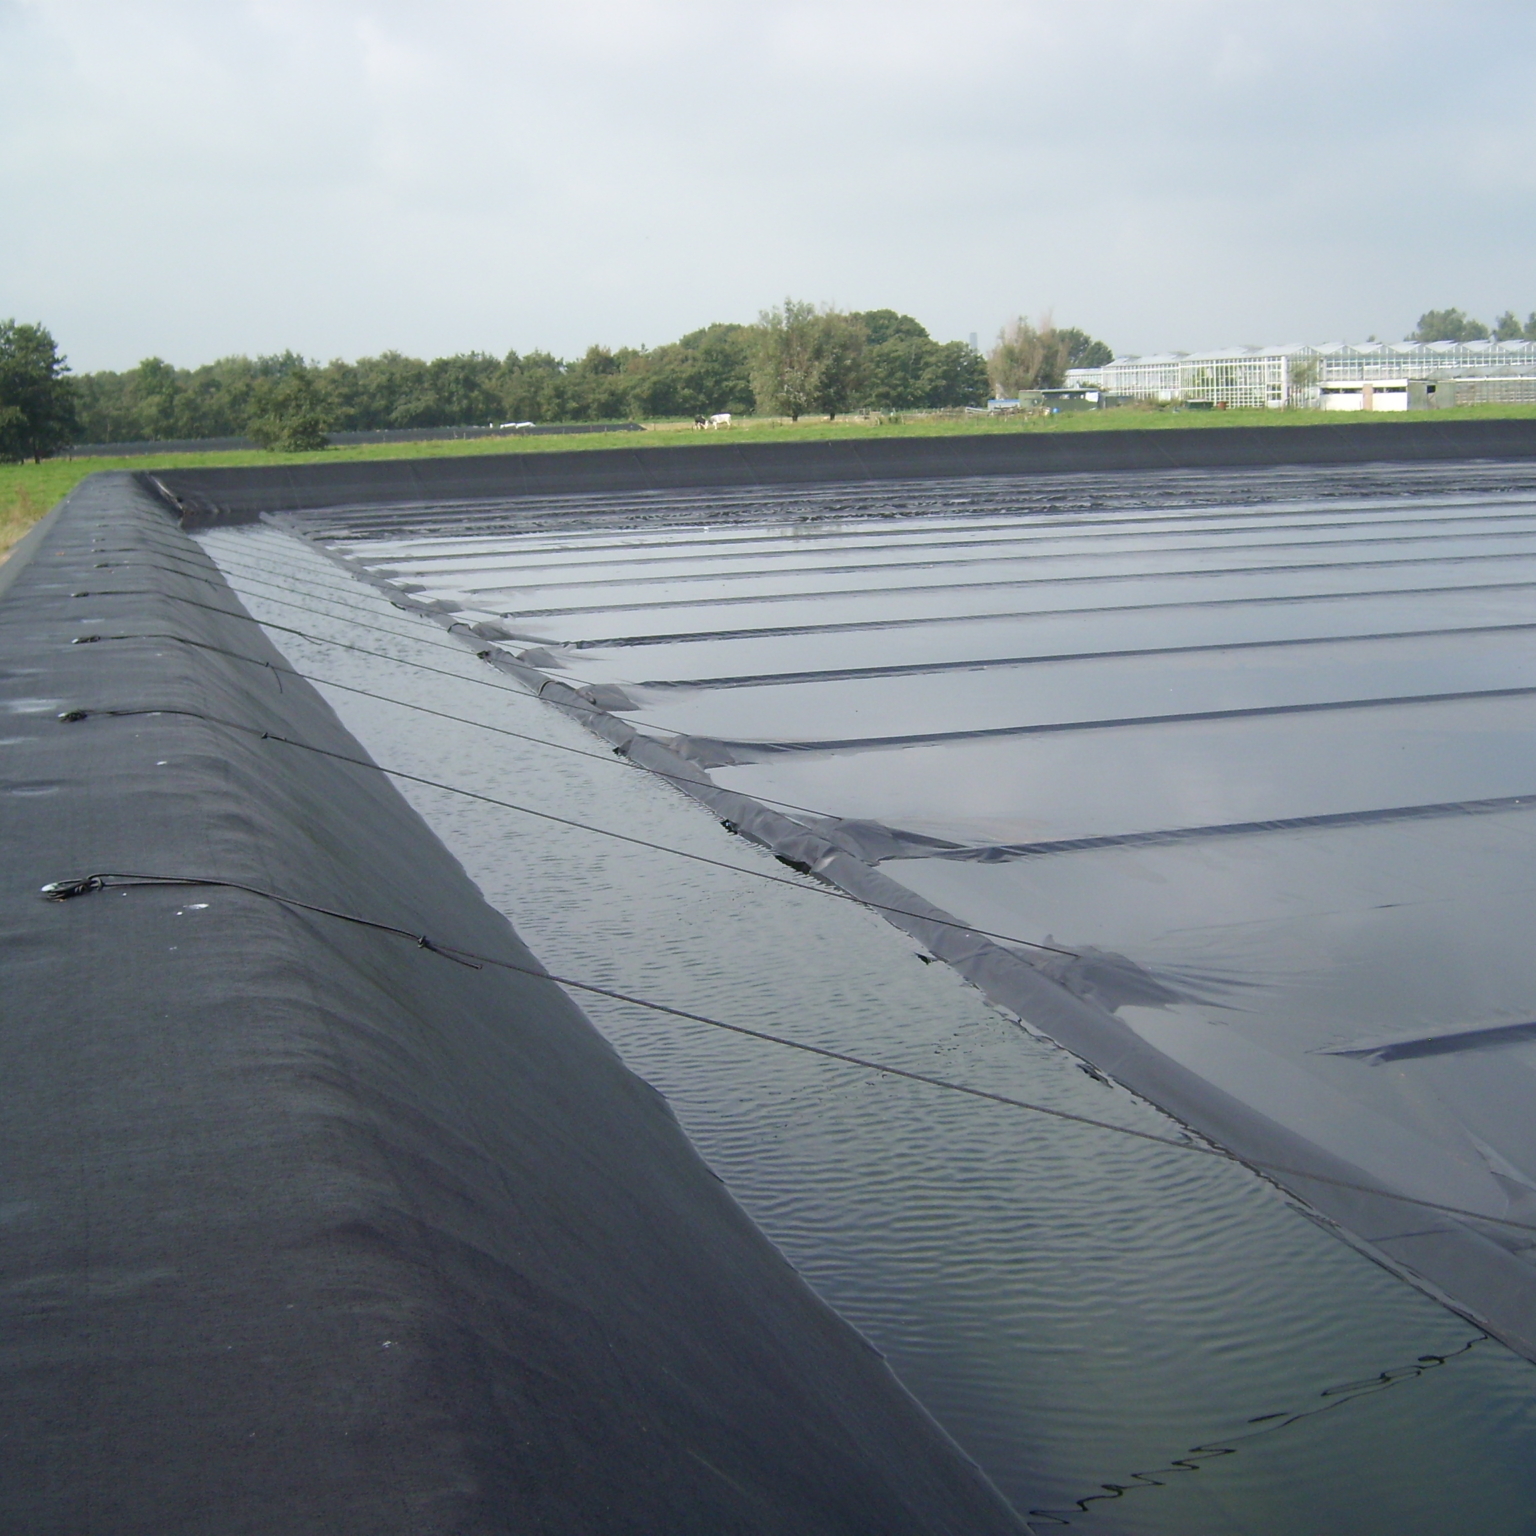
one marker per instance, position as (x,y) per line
(340,177)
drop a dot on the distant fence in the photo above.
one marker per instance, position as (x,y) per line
(342,439)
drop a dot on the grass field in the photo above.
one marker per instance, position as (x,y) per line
(27,491)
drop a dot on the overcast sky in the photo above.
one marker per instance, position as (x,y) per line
(190,178)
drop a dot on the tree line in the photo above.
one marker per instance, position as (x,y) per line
(1454,325)
(797,360)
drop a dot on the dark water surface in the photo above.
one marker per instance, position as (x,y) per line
(1084,1312)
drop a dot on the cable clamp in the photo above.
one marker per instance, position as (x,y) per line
(63,890)
(458,959)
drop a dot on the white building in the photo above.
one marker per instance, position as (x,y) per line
(1406,375)
(1387,394)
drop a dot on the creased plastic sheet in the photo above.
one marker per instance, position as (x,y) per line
(1340,790)
(1279,813)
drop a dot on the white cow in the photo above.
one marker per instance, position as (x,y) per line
(720,419)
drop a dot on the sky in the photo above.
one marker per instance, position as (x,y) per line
(193,178)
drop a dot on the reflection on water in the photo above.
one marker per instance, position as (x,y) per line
(1129,1339)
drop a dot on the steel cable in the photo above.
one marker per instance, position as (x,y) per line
(66,890)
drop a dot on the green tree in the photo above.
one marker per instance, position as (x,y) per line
(840,366)
(103,408)
(599,383)
(1083,351)
(216,399)
(954,374)
(374,392)
(897,373)
(806,359)
(37,400)
(906,369)
(287,412)
(154,389)
(882,326)
(786,368)
(1507,327)
(459,391)
(533,388)
(703,372)
(1448,325)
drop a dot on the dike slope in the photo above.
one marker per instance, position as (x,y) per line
(310,1229)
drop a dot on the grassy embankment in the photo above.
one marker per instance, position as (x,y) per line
(27,491)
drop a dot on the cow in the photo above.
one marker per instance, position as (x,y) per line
(720,419)
(699,423)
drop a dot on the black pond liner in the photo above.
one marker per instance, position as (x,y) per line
(311,1226)
(1450,1207)
(1175,469)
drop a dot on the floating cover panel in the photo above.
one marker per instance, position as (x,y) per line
(1252,757)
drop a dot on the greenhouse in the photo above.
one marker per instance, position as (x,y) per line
(1298,377)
